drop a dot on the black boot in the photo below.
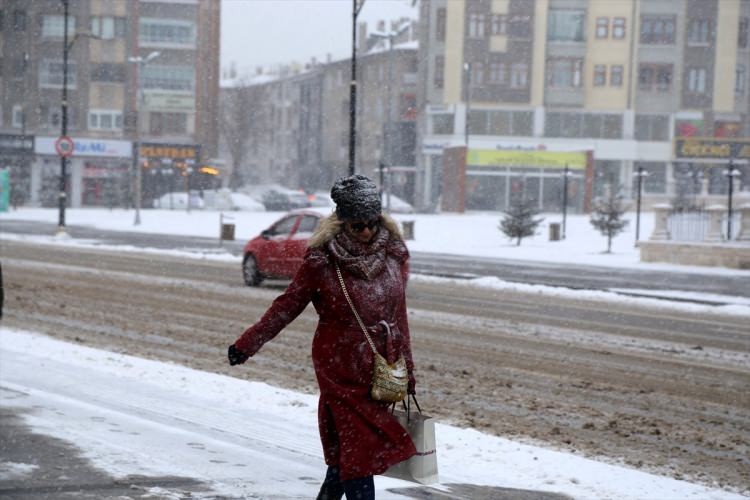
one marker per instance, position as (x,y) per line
(331,489)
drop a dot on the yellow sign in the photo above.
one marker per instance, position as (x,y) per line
(165,151)
(526,158)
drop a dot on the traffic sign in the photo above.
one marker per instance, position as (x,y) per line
(64,146)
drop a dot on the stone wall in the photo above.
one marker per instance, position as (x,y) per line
(732,255)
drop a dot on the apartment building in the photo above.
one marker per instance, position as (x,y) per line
(300,136)
(603,88)
(173,122)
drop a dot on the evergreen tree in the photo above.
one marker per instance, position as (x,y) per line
(607,216)
(519,220)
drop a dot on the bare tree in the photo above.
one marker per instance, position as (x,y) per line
(236,125)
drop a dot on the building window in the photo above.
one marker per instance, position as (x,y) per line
(519,76)
(18,118)
(107,72)
(566,25)
(740,84)
(168,123)
(656,181)
(439,69)
(600,75)
(477,74)
(497,72)
(2,19)
(564,73)
(602,27)
(54,26)
(476,25)
(442,124)
(651,127)
(519,27)
(742,35)
(615,75)
(108,27)
(499,24)
(658,30)
(655,77)
(440,25)
(174,78)
(101,119)
(167,31)
(51,73)
(618,28)
(696,80)
(19,20)
(699,32)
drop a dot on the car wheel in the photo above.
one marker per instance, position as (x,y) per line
(250,272)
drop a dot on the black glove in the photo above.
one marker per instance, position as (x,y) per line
(236,357)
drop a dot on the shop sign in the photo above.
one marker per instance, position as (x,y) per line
(170,151)
(712,149)
(527,158)
(16,143)
(87,147)
(175,102)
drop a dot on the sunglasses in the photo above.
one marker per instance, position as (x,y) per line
(358,227)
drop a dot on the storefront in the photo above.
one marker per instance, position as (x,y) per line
(98,173)
(168,168)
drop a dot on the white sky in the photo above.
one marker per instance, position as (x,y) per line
(162,428)
(269,32)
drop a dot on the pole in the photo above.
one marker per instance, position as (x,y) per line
(638,205)
(387,145)
(565,199)
(730,176)
(353,92)
(138,173)
(63,158)
(467,127)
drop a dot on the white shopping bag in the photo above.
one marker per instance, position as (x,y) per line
(421,468)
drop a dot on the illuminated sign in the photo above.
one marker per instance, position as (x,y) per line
(87,147)
(527,158)
(713,149)
(170,151)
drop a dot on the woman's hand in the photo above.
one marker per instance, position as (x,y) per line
(236,357)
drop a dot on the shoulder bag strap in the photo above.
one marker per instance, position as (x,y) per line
(354,310)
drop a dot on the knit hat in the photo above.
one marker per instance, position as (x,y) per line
(356,198)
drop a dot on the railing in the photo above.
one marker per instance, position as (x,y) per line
(688,226)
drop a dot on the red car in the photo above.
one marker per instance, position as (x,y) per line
(278,251)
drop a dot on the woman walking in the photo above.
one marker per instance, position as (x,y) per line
(359,435)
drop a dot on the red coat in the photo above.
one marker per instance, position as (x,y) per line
(358,434)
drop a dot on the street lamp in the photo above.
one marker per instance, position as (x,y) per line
(731,173)
(356,7)
(64,120)
(141,62)
(640,174)
(566,175)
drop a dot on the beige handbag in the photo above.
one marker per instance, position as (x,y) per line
(389,381)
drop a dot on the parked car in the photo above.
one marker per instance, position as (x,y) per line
(224,199)
(278,198)
(398,206)
(277,252)
(321,199)
(178,201)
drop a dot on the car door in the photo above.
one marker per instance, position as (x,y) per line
(296,245)
(270,255)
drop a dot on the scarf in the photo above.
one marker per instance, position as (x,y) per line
(364,260)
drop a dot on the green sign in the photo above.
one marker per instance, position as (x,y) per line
(4,190)
(526,158)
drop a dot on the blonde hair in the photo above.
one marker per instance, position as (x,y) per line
(330,226)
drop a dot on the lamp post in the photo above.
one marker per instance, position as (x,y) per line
(467,83)
(140,62)
(731,173)
(64,120)
(566,175)
(356,7)
(640,174)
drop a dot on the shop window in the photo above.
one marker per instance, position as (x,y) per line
(478,122)
(651,127)
(442,124)
(656,180)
